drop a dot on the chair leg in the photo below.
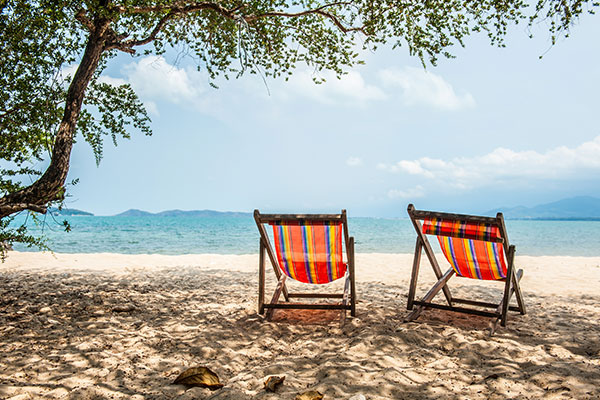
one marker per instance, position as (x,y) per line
(345,299)
(415,274)
(261,279)
(518,293)
(275,299)
(509,278)
(494,323)
(352,280)
(441,283)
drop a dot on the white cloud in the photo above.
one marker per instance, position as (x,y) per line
(112,81)
(421,87)
(151,107)
(417,191)
(154,78)
(349,89)
(354,162)
(503,164)
(68,71)
(411,167)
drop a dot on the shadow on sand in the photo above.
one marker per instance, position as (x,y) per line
(98,336)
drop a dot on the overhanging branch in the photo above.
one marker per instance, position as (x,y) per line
(182,8)
(16,207)
(337,21)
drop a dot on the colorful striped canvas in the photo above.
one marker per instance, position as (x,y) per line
(310,253)
(460,229)
(475,259)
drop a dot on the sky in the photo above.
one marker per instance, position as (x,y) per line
(494,127)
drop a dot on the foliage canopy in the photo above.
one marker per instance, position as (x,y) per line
(44,108)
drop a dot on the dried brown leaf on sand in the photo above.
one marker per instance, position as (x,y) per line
(273,382)
(199,376)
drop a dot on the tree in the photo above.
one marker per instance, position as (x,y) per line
(43,109)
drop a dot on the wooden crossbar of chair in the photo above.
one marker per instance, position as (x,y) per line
(511,282)
(347,298)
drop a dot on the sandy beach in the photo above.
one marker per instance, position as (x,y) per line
(112,326)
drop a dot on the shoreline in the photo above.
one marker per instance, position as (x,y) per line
(551,274)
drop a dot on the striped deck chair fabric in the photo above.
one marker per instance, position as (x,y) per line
(468,248)
(310,253)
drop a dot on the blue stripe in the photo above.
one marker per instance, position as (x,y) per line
(329,266)
(496,256)
(474,255)
(306,255)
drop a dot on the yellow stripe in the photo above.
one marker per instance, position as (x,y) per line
(311,253)
(333,251)
(288,251)
(470,261)
(489,246)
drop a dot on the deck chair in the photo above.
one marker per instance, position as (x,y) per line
(308,249)
(476,247)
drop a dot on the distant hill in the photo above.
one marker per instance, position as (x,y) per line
(182,213)
(68,212)
(134,213)
(581,207)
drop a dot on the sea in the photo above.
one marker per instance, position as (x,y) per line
(239,235)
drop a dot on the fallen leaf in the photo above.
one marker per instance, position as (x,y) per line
(273,382)
(199,376)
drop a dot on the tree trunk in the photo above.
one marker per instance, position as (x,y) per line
(50,186)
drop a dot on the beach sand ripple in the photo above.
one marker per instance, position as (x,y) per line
(124,327)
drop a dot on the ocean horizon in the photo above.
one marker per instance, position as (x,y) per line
(239,235)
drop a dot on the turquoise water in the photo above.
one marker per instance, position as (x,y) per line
(238,235)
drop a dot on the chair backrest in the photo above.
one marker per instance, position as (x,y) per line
(308,247)
(473,245)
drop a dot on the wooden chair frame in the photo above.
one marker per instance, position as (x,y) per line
(348,297)
(511,282)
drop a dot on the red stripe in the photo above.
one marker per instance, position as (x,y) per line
(482,259)
(298,260)
(320,254)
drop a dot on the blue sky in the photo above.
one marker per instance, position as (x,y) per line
(494,127)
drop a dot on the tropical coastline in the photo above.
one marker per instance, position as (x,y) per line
(128,129)
(128,302)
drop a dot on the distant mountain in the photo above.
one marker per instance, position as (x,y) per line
(68,212)
(581,207)
(134,213)
(182,213)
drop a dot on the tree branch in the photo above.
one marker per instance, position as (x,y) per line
(16,207)
(81,16)
(181,8)
(319,11)
(5,113)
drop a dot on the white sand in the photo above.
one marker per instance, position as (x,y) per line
(61,335)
